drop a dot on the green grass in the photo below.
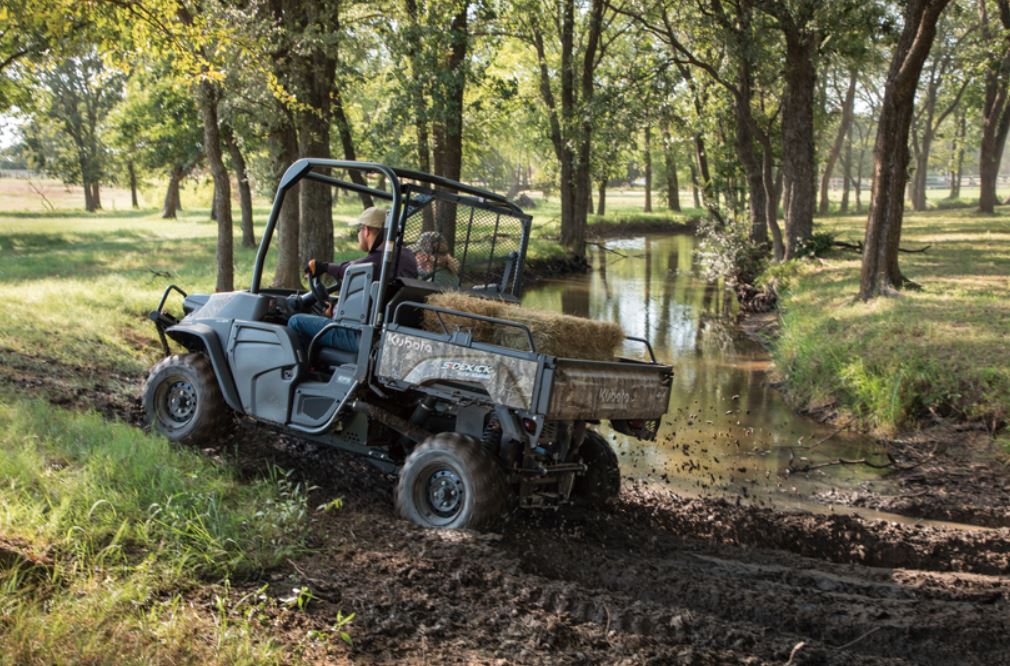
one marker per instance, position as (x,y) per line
(895,361)
(937,198)
(123,523)
(80,286)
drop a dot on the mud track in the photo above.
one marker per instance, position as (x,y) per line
(656,579)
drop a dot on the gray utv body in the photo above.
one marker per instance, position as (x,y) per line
(467,425)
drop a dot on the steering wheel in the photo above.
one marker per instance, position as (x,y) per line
(320,294)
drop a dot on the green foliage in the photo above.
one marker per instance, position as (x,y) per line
(157,124)
(727,253)
(72,99)
(821,242)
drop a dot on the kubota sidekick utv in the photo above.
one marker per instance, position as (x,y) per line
(467,425)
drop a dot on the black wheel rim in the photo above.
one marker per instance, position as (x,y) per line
(441,494)
(175,402)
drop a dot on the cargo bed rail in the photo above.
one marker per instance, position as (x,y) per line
(439,311)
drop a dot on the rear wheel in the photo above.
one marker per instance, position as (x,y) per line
(601,484)
(451,480)
(182,400)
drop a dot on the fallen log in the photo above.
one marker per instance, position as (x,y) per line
(858,247)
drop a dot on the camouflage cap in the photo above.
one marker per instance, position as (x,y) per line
(373,217)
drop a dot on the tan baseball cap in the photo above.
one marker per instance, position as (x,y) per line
(372,217)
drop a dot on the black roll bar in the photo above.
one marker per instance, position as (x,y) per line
(303,169)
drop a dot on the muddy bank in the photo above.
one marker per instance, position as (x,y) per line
(542,269)
(655,579)
(944,470)
(537,269)
(635,227)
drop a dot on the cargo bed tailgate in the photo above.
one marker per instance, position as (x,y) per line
(608,390)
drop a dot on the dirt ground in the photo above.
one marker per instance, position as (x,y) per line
(656,579)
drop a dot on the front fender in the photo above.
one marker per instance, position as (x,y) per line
(203,339)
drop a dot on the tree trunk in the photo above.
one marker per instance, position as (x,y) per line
(771,189)
(955,174)
(222,187)
(89,202)
(315,233)
(694,186)
(647,159)
(447,126)
(583,180)
(799,167)
(244,191)
(859,182)
(880,272)
(836,147)
(570,122)
(134,203)
(846,172)
(347,144)
(601,205)
(315,71)
(284,151)
(752,167)
(995,109)
(930,120)
(171,207)
(420,107)
(670,162)
(96,195)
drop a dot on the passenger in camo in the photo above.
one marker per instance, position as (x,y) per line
(434,263)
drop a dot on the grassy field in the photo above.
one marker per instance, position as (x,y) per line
(102,531)
(895,361)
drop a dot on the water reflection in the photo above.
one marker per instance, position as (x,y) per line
(727,431)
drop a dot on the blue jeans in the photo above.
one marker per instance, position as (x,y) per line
(306,326)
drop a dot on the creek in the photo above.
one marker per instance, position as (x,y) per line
(728,430)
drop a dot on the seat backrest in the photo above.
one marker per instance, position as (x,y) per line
(409,289)
(355,295)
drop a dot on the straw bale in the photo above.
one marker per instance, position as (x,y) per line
(553,333)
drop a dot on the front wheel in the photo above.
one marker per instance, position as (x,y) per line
(452,481)
(601,483)
(182,400)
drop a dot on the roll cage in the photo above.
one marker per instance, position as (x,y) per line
(465,213)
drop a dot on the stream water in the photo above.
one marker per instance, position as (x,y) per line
(728,431)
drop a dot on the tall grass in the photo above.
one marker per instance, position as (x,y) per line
(119,523)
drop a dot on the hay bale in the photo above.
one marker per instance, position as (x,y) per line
(553,334)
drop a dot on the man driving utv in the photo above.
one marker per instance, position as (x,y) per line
(371,226)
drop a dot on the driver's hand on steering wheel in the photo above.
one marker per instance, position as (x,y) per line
(316,268)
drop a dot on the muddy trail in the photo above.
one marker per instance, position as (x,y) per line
(655,579)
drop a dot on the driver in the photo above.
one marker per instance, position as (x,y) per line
(371,226)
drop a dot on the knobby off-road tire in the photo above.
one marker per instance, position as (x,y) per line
(182,400)
(451,481)
(601,484)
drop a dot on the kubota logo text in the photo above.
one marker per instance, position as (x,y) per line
(612,396)
(414,344)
